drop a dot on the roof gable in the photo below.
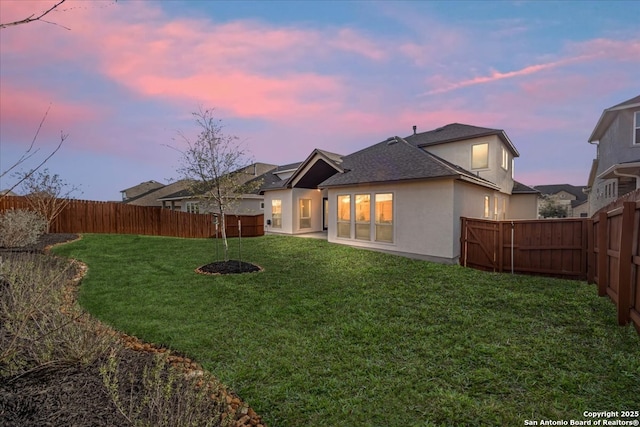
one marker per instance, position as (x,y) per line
(458,132)
(609,114)
(319,166)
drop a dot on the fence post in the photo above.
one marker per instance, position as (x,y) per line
(463,241)
(603,248)
(590,256)
(625,262)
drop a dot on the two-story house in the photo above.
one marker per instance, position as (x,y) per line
(616,168)
(403,195)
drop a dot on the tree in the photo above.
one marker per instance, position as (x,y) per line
(214,166)
(30,152)
(552,209)
(47,194)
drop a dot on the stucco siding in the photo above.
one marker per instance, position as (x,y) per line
(422,220)
(459,153)
(522,206)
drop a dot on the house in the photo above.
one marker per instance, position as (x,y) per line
(403,195)
(250,203)
(571,197)
(149,193)
(616,168)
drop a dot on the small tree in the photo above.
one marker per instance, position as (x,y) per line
(213,165)
(47,194)
(552,209)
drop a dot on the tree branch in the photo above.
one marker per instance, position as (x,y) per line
(31,18)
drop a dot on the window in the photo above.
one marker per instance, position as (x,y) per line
(495,207)
(480,156)
(276,213)
(193,207)
(305,213)
(505,159)
(261,206)
(363,216)
(487,206)
(636,129)
(384,217)
(344,216)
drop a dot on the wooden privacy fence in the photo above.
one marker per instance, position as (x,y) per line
(554,247)
(84,216)
(616,259)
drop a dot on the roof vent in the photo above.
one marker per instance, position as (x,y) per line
(392,140)
(414,129)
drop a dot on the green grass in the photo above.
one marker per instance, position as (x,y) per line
(330,335)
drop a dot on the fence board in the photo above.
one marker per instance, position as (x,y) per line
(85,216)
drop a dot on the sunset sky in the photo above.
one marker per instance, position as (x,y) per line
(122,79)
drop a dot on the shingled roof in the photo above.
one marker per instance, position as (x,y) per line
(395,159)
(458,132)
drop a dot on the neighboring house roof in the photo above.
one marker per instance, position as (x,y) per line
(520,188)
(609,114)
(577,191)
(253,172)
(458,132)
(7,192)
(144,187)
(395,159)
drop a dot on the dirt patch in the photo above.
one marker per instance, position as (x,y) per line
(229,267)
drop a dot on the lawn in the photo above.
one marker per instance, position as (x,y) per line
(329,335)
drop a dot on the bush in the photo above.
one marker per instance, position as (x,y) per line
(20,228)
(36,328)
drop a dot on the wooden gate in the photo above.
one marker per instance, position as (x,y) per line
(553,247)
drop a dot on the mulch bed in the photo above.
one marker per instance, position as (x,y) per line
(74,395)
(229,267)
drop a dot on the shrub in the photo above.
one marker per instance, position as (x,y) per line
(19,228)
(36,329)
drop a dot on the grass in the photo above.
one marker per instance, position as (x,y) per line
(330,335)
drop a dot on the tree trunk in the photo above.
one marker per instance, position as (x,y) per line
(225,244)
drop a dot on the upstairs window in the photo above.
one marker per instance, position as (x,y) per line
(505,159)
(636,128)
(480,156)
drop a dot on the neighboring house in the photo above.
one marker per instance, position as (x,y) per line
(403,195)
(572,197)
(616,169)
(149,193)
(7,193)
(251,203)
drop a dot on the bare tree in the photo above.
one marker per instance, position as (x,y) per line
(46,193)
(214,166)
(33,17)
(29,153)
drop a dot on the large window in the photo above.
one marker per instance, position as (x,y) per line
(480,156)
(636,129)
(344,216)
(305,213)
(363,216)
(384,217)
(193,207)
(276,213)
